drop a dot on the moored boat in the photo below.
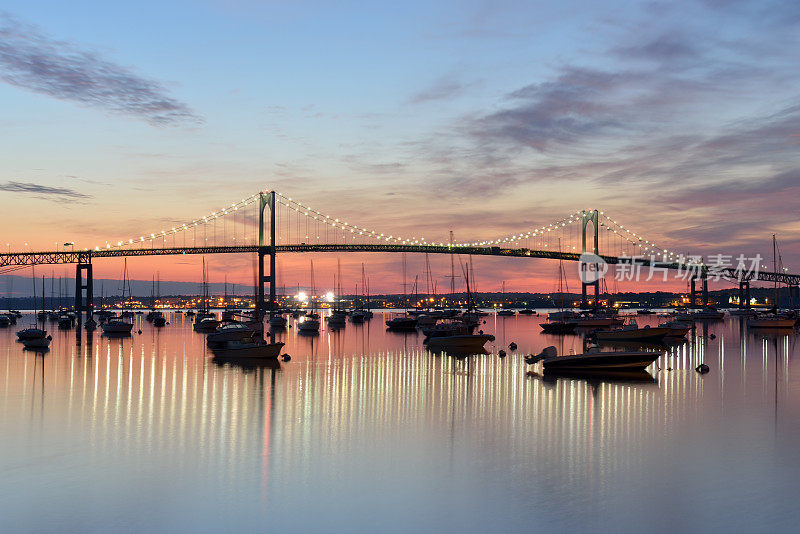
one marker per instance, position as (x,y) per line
(251,350)
(117,326)
(594,359)
(463,342)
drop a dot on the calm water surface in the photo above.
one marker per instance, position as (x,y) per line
(364,430)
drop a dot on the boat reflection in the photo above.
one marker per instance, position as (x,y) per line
(458,354)
(601,376)
(246,364)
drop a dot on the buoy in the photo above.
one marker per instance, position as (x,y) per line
(502,353)
(139,332)
(712,336)
(702,369)
(286,357)
(512,346)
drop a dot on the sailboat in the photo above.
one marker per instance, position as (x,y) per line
(462,342)
(560,322)
(310,323)
(34,337)
(119,326)
(776,320)
(504,312)
(338,317)
(205,321)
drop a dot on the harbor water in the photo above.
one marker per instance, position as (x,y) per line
(364,430)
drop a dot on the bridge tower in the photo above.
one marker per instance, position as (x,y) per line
(83,291)
(744,294)
(266,200)
(586,218)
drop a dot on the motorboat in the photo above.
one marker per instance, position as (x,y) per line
(677,328)
(558,327)
(308,325)
(776,321)
(402,323)
(117,326)
(527,311)
(38,343)
(31,333)
(632,332)
(562,315)
(5,320)
(251,350)
(159,320)
(461,342)
(739,312)
(277,321)
(645,311)
(594,359)
(593,321)
(451,327)
(337,319)
(707,314)
(506,313)
(358,316)
(230,332)
(205,324)
(90,325)
(65,322)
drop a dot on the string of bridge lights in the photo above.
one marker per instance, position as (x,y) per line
(236,206)
(311,213)
(647,246)
(572,217)
(343,225)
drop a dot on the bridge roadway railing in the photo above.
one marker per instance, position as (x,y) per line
(9,260)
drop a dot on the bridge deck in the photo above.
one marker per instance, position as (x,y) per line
(19,259)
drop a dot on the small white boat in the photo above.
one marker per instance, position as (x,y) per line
(253,350)
(632,332)
(230,332)
(205,325)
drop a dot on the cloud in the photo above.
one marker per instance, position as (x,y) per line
(43,191)
(444,88)
(33,61)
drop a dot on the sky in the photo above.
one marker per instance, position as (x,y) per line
(680,118)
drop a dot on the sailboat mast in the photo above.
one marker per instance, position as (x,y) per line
(775,270)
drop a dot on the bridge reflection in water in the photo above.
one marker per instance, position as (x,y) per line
(363,434)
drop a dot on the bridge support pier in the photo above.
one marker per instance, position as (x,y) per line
(266,200)
(83,292)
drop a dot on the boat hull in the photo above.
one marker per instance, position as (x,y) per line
(640,334)
(250,351)
(771,323)
(558,328)
(460,343)
(634,360)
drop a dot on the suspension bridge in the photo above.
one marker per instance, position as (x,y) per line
(269,223)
